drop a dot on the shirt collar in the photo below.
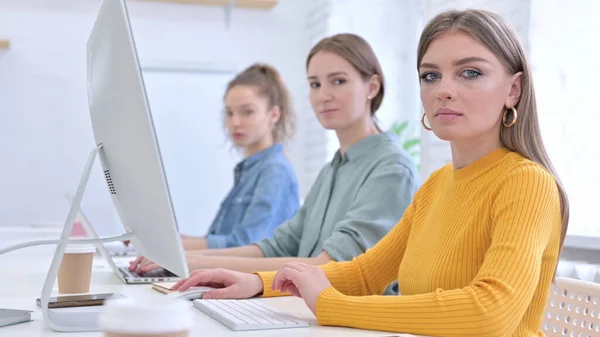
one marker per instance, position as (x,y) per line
(253,159)
(360,148)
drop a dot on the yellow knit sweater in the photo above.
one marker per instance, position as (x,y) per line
(474,256)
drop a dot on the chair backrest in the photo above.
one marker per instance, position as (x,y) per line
(573,309)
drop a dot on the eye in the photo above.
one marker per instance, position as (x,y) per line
(429,77)
(228,113)
(248,112)
(339,81)
(470,74)
(314,85)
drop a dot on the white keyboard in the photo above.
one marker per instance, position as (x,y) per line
(241,315)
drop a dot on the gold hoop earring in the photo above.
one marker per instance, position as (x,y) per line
(514,117)
(423,123)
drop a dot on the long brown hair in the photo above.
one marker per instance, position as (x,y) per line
(492,31)
(359,53)
(268,82)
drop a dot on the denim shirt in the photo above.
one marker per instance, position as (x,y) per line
(264,195)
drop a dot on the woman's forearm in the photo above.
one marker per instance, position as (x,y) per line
(248,264)
(244,251)
(193,243)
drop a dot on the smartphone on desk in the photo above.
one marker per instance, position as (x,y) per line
(70,301)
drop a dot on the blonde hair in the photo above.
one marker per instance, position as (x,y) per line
(357,52)
(492,31)
(268,82)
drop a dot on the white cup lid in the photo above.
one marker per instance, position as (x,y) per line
(80,249)
(146,315)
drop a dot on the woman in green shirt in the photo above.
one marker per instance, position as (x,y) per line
(357,197)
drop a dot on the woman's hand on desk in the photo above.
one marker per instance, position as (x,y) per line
(231,284)
(302,280)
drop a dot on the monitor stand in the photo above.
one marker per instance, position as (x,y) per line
(82,320)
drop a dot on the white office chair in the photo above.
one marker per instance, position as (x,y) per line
(573,309)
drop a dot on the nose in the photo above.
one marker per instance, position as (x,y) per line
(446,90)
(234,120)
(324,94)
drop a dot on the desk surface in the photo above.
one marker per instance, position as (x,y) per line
(23,275)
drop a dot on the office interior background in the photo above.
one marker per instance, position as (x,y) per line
(189,51)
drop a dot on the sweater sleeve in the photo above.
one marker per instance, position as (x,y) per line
(525,213)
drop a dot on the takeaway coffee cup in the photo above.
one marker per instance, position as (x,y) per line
(155,316)
(75,271)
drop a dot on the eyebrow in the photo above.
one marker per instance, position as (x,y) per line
(333,74)
(456,63)
(245,105)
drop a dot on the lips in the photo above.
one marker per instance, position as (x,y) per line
(328,111)
(447,111)
(447,115)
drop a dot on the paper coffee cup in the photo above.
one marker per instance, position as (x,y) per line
(75,271)
(146,317)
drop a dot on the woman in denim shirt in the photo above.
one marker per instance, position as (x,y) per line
(258,118)
(359,196)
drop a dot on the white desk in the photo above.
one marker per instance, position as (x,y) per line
(23,275)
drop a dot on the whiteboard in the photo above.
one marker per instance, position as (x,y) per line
(187,112)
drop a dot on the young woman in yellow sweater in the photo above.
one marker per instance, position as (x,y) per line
(476,251)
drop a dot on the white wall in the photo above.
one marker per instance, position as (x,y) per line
(45,133)
(194,148)
(565,81)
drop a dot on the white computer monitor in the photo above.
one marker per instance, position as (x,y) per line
(130,156)
(131,162)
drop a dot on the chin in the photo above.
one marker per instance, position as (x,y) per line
(239,144)
(330,124)
(446,134)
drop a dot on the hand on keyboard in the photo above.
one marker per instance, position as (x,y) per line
(302,280)
(142,265)
(231,284)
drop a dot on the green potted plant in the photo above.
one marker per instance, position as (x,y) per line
(411,144)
